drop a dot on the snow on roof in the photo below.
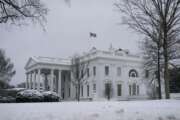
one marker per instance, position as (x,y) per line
(62,61)
(15,89)
(30,93)
(47,93)
(52,60)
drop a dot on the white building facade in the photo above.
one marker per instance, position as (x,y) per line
(118,70)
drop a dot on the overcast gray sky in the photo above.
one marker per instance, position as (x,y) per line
(67,32)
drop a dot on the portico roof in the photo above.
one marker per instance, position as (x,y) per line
(51,60)
(46,60)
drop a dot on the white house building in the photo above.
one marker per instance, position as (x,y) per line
(118,68)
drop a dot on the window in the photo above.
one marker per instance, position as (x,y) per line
(82,91)
(134,89)
(94,70)
(69,91)
(94,87)
(118,71)
(108,90)
(137,89)
(63,95)
(88,90)
(87,72)
(76,92)
(146,73)
(106,70)
(129,89)
(119,89)
(82,73)
(64,77)
(133,73)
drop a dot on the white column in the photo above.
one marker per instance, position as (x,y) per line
(59,84)
(43,82)
(34,80)
(73,91)
(38,79)
(51,80)
(30,83)
(27,81)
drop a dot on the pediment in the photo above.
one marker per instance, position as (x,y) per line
(30,63)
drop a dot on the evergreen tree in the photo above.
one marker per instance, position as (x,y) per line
(6,70)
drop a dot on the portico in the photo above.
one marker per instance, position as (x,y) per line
(49,74)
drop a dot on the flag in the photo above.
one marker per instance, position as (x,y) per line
(92,34)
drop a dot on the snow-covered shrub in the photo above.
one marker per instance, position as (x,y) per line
(7,99)
(50,96)
(10,92)
(29,96)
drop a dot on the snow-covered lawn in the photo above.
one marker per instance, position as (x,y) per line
(119,110)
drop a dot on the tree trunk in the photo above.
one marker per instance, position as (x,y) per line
(166,75)
(158,74)
(166,72)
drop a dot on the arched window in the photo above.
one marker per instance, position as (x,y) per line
(133,73)
(134,89)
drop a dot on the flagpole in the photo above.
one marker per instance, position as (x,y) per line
(92,37)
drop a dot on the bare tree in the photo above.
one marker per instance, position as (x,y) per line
(153,60)
(14,11)
(6,69)
(80,73)
(153,51)
(150,16)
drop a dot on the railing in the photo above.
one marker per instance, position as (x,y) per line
(107,54)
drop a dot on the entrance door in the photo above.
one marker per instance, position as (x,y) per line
(108,90)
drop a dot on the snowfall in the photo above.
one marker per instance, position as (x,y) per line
(104,110)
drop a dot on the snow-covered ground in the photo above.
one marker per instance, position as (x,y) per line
(119,110)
